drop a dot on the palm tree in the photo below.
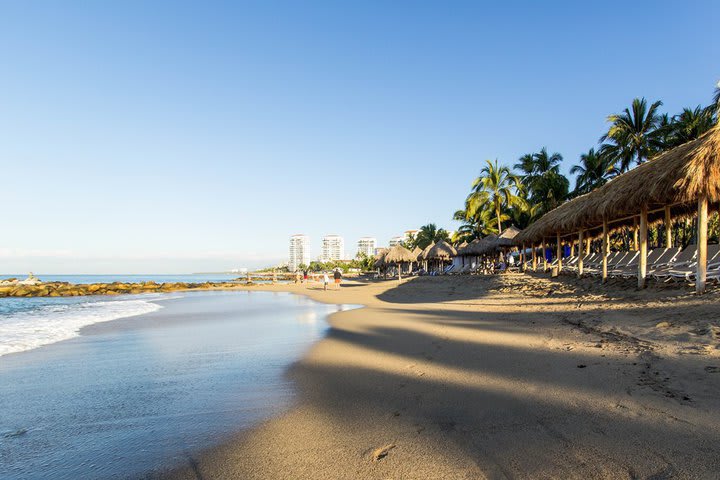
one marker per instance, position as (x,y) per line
(430,233)
(495,189)
(526,165)
(688,125)
(547,186)
(633,134)
(593,171)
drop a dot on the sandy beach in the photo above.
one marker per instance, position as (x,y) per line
(511,376)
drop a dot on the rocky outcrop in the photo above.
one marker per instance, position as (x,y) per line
(64,289)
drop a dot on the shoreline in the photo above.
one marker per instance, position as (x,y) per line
(177,380)
(477,377)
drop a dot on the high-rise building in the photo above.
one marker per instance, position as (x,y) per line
(395,241)
(299,251)
(366,246)
(333,248)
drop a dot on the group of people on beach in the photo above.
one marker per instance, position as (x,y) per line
(302,277)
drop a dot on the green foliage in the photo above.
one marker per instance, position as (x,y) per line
(493,192)
(362,262)
(426,235)
(594,170)
(634,135)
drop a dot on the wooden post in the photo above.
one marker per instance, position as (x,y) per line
(635,234)
(534,257)
(605,250)
(559,253)
(581,254)
(587,246)
(702,230)
(542,246)
(522,258)
(399,266)
(642,264)
(668,228)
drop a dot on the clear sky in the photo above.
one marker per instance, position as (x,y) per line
(169,137)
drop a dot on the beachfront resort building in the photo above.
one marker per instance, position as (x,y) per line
(333,248)
(366,246)
(395,241)
(299,251)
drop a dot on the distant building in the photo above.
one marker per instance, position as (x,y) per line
(366,246)
(333,248)
(395,241)
(299,251)
(410,234)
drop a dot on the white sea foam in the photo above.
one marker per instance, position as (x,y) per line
(28,329)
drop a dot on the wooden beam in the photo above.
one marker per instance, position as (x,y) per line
(581,254)
(642,264)
(605,250)
(702,230)
(587,246)
(559,253)
(668,228)
(635,234)
(534,257)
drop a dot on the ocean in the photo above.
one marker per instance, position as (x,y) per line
(98,387)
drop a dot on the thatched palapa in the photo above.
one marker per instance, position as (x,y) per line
(424,254)
(399,254)
(676,178)
(441,251)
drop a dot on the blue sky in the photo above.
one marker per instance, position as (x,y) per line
(169,137)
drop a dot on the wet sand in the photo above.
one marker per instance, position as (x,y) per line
(503,377)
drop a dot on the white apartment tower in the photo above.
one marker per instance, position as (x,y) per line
(333,248)
(299,251)
(395,241)
(366,246)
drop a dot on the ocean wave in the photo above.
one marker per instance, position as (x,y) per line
(30,328)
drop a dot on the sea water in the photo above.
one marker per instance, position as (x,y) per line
(85,397)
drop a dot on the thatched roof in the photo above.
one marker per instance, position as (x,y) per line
(417,251)
(677,177)
(470,248)
(399,254)
(423,255)
(380,258)
(460,248)
(506,238)
(441,251)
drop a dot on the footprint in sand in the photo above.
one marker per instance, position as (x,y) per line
(382,452)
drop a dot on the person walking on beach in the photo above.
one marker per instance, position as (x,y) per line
(326,280)
(305,276)
(338,278)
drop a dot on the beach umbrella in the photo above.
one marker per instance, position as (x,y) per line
(380,259)
(423,255)
(441,252)
(399,255)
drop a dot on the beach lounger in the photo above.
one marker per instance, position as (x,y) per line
(629,264)
(652,257)
(689,271)
(684,261)
(595,266)
(668,256)
(587,261)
